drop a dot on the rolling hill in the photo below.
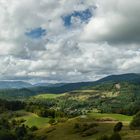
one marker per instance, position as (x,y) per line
(14,84)
(131,78)
(23,89)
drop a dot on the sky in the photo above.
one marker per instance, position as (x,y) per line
(68,40)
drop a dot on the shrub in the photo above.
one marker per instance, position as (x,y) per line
(21,131)
(135,123)
(22,120)
(52,121)
(33,128)
(118,127)
(62,120)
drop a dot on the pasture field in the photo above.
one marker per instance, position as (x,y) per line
(65,130)
(117,117)
(47,96)
(32,119)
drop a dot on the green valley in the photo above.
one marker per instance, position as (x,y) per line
(92,112)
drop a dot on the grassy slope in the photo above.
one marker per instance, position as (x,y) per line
(65,131)
(117,117)
(34,120)
(47,96)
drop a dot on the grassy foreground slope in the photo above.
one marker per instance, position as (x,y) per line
(66,130)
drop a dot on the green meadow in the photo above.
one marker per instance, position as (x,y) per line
(32,119)
(65,130)
(47,96)
(116,117)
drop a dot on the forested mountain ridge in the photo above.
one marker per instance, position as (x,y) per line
(28,90)
(14,84)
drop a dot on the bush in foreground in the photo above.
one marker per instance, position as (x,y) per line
(118,127)
(135,123)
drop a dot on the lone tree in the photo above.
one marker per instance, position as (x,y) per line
(118,127)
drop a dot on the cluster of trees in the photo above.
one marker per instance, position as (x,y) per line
(13,94)
(120,105)
(44,112)
(11,105)
(126,102)
(62,106)
(15,130)
(135,123)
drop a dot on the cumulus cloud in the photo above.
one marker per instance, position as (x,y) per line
(68,41)
(115,22)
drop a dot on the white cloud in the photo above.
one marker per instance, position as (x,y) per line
(107,44)
(115,22)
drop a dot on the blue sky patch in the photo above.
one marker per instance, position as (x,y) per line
(36,33)
(84,16)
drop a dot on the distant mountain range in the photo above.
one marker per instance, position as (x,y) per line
(65,87)
(14,84)
(22,90)
(48,85)
(22,84)
(129,77)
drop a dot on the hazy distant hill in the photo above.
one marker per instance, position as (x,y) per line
(63,87)
(130,77)
(26,89)
(48,85)
(133,78)
(14,84)
(21,84)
